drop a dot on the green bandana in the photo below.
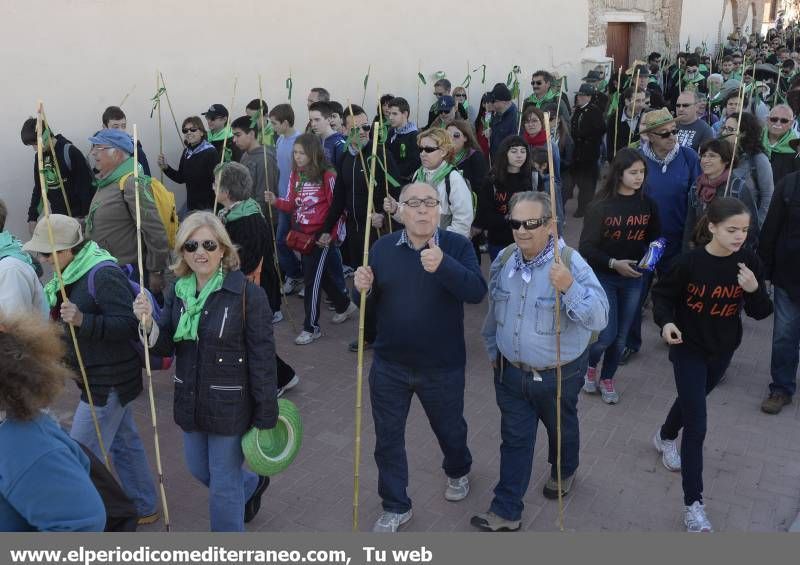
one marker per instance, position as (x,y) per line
(433,178)
(538,102)
(781,146)
(460,156)
(88,257)
(10,246)
(186,290)
(268,135)
(221,135)
(240,210)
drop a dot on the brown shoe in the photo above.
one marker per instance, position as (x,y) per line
(149,519)
(775,402)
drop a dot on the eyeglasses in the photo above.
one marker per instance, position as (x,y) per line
(417,202)
(666,134)
(190,130)
(428,149)
(683,105)
(775,120)
(444,111)
(363,127)
(529,225)
(191,245)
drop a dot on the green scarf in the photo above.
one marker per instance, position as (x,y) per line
(460,156)
(782,145)
(220,135)
(88,257)
(241,209)
(538,102)
(10,246)
(186,290)
(433,178)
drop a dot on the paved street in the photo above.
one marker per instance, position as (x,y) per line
(752,461)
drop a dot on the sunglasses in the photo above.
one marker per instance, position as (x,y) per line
(529,225)
(459,95)
(537,83)
(776,120)
(208,244)
(190,130)
(438,94)
(417,202)
(666,134)
(428,149)
(364,127)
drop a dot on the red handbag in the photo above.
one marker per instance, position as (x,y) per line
(301,242)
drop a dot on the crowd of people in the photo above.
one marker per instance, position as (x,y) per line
(687,190)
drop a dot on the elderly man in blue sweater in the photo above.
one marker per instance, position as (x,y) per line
(418,280)
(520,338)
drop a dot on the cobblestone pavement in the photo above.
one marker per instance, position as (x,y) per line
(752,460)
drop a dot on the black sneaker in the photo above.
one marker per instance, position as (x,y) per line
(354,346)
(253,505)
(627,353)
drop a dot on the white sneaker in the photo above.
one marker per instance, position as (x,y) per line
(390,521)
(695,519)
(590,380)
(302,292)
(291,285)
(457,489)
(277,317)
(339,318)
(668,450)
(307,337)
(290,385)
(608,392)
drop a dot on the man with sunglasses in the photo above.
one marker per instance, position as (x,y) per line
(779,142)
(692,131)
(417,281)
(671,172)
(519,335)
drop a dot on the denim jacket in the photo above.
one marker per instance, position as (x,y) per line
(521,324)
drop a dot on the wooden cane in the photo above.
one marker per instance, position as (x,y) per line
(147,368)
(361,318)
(62,290)
(160,128)
(557,255)
(620,100)
(633,106)
(736,139)
(52,146)
(224,146)
(560,96)
(169,105)
(360,153)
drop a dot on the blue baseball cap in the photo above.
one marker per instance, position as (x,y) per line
(446,103)
(115,138)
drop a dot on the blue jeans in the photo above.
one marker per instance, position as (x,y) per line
(288,261)
(696,375)
(623,304)
(216,461)
(124,446)
(785,343)
(524,401)
(441,393)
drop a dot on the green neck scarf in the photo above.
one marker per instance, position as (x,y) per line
(782,145)
(186,290)
(123,169)
(88,257)
(539,101)
(220,135)
(240,210)
(434,177)
(460,156)
(10,246)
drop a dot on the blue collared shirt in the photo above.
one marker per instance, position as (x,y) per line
(521,321)
(405,241)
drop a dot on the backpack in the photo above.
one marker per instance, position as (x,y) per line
(157,363)
(164,201)
(472,192)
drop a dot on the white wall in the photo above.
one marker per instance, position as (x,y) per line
(83,55)
(699,22)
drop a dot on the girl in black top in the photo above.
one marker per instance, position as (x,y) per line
(196,169)
(618,228)
(698,308)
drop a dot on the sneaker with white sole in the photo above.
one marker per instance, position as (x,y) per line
(339,318)
(608,392)
(291,285)
(307,337)
(288,386)
(302,292)
(668,448)
(277,317)
(695,519)
(590,380)
(388,522)
(457,489)
(491,522)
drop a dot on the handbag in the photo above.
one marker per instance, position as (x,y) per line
(301,242)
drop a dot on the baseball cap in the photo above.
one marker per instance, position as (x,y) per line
(216,111)
(446,103)
(67,234)
(117,138)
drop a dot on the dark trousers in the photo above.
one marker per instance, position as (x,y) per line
(634,339)
(355,249)
(623,305)
(523,402)
(586,178)
(285,371)
(696,374)
(785,342)
(441,393)
(318,276)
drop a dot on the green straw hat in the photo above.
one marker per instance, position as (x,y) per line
(268,452)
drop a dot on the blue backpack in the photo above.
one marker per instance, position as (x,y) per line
(157,363)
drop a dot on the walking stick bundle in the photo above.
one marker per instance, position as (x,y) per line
(361,319)
(60,279)
(151,394)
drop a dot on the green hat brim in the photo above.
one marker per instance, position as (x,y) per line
(268,452)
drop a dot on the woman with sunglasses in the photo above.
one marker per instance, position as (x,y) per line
(465,110)
(219,327)
(619,225)
(196,168)
(752,163)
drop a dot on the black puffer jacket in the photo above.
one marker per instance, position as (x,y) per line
(225,382)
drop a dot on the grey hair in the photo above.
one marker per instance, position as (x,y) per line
(235,179)
(783,107)
(409,185)
(530,196)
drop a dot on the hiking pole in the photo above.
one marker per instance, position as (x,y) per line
(62,290)
(224,147)
(557,255)
(385,164)
(616,115)
(169,105)
(147,368)
(160,129)
(354,133)
(633,106)
(52,146)
(361,319)
(736,139)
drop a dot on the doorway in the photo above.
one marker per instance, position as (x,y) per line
(618,41)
